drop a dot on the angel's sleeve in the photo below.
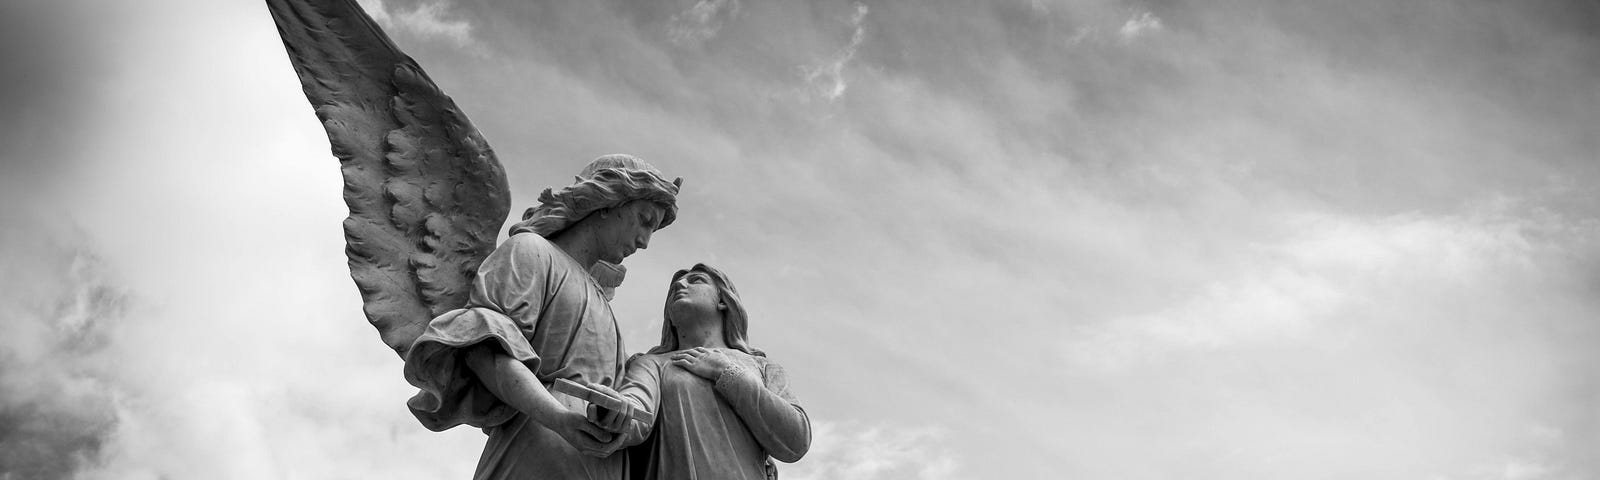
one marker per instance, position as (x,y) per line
(507,297)
(763,401)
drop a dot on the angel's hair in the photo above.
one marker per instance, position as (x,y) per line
(735,322)
(608,182)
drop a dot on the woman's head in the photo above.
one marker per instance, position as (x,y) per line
(701,290)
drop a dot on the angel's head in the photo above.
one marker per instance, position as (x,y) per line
(626,198)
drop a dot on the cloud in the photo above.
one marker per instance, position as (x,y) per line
(862,452)
(427,19)
(57,394)
(1352,328)
(1331,268)
(1526,469)
(827,79)
(142,339)
(1144,23)
(702,21)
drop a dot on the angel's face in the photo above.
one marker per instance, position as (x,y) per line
(627,229)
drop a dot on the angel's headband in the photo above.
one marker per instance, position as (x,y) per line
(607,182)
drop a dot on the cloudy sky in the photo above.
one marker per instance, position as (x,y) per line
(1012,239)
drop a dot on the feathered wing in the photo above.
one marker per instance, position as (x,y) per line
(426,194)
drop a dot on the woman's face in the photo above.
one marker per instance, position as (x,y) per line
(693,295)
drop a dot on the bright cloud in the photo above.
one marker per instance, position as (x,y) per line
(702,21)
(426,19)
(1332,268)
(828,78)
(1144,23)
(873,452)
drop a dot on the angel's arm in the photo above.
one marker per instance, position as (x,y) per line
(511,282)
(513,383)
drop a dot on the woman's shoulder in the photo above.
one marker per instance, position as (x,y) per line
(767,365)
(760,362)
(649,358)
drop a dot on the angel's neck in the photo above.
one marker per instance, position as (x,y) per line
(580,245)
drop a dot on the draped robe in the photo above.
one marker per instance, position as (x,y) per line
(542,308)
(712,430)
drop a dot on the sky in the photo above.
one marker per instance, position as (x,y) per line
(1014,239)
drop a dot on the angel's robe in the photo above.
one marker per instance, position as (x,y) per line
(543,309)
(712,430)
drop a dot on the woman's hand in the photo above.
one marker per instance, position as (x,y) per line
(703,362)
(608,419)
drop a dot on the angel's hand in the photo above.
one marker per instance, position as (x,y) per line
(588,438)
(608,419)
(703,362)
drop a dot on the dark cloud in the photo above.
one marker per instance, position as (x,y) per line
(57,401)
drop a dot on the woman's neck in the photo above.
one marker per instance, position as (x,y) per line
(707,333)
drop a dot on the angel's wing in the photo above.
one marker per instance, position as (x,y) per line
(425,192)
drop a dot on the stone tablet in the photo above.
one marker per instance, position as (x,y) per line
(593,396)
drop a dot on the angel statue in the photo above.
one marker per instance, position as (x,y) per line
(484,330)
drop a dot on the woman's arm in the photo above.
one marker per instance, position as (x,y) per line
(761,399)
(640,386)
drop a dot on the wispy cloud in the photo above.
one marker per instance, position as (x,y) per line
(702,21)
(861,452)
(428,19)
(827,79)
(1332,268)
(1144,23)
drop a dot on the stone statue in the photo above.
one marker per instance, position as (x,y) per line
(536,315)
(708,387)
(484,330)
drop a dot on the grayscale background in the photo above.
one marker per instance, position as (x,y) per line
(1087,239)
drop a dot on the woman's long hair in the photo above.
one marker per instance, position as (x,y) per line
(735,322)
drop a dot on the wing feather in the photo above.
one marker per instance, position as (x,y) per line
(426,194)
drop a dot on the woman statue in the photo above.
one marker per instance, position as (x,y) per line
(722,408)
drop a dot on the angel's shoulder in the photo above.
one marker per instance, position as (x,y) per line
(526,246)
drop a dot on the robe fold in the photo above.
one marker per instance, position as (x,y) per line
(542,308)
(712,430)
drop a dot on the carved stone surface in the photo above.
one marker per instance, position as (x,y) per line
(601,399)
(708,386)
(488,332)
(425,192)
